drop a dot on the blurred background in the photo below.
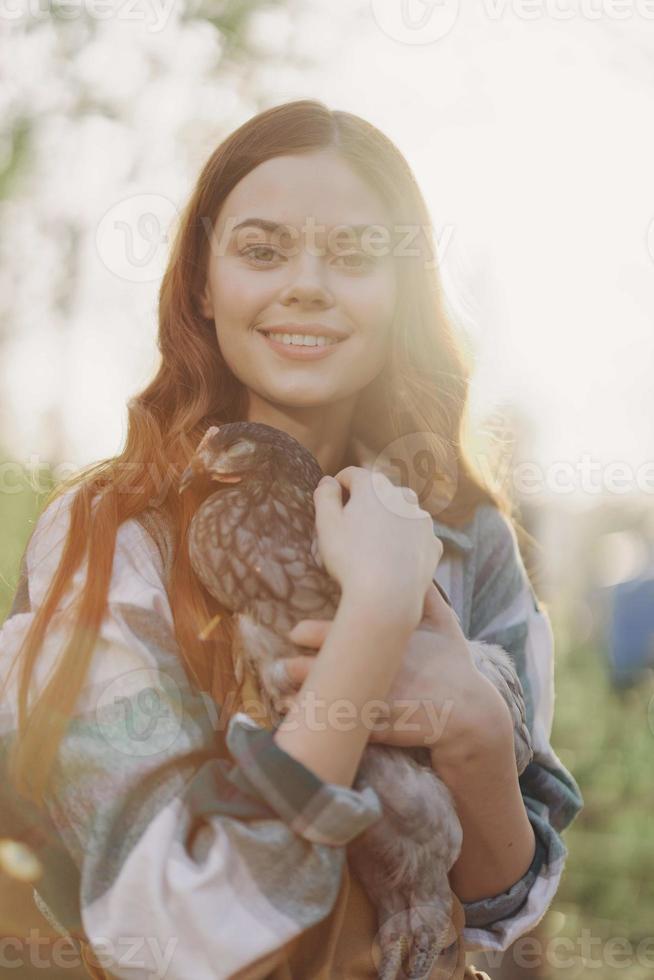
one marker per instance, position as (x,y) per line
(528,125)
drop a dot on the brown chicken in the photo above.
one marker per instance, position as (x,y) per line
(253,545)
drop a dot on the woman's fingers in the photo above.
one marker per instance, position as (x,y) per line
(296,669)
(310,632)
(348,474)
(307,633)
(328,504)
(434,607)
(437,614)
(346,478)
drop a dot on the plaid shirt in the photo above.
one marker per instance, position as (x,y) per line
(197,871)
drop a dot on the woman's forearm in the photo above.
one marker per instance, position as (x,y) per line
(329,722)
(498,838)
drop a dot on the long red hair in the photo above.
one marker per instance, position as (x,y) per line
(424,388)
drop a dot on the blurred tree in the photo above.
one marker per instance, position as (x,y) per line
(98,106)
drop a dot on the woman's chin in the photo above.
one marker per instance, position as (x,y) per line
(301,396)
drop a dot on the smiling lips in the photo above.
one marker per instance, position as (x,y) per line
(282,343)
(318,330)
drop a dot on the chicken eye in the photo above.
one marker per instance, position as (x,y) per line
(241,449)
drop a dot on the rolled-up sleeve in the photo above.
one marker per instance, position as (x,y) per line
(204,868)
(505,610)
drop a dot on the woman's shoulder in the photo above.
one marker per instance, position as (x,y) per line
(136,635)
(143,547)
(490,527)
(482,562)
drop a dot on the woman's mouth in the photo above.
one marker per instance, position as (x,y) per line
(300,346)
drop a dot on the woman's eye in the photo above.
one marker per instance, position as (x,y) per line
(361,260)
(250,253)
(266,255)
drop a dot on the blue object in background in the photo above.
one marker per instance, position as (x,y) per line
(631,630)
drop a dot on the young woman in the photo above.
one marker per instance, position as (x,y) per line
(177,837)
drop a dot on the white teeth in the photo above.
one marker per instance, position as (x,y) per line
(302,340)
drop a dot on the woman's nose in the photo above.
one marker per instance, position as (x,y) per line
(307,280)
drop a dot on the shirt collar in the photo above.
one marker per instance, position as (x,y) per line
(453,534)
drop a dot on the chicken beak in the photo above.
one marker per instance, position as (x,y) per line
(190,474)
(226,477)
(186,478)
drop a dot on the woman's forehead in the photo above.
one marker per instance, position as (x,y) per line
(290,189)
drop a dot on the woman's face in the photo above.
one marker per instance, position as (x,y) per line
(308,273)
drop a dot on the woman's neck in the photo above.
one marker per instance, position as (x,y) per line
(323,430)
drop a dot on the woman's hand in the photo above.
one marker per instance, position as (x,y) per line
(379,545)
(438,698)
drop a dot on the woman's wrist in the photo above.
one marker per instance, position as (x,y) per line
(382,605)
(474,730)
(498,838)
(327,725)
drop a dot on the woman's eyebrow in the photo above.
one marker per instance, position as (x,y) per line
(259,223)
(273,226)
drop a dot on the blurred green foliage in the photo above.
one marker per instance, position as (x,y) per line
(605,738)
(20,505)
(14,144)
(232,18)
